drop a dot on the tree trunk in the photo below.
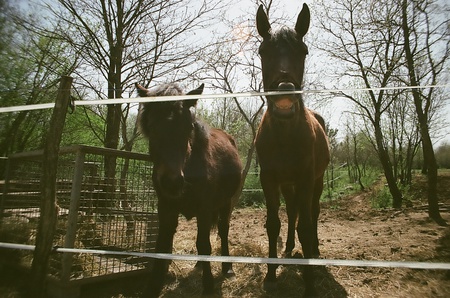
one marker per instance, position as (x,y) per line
(113,117)
(427,145)
(387,168)
(8,140)
(48,206)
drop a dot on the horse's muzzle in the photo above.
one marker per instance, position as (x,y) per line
(284,104)
(286,86)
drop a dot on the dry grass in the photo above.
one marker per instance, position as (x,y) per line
(348,230)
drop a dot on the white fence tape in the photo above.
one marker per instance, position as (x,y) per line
(252,260)
(203,96)
(232,259)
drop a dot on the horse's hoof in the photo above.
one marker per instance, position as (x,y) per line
(297,255)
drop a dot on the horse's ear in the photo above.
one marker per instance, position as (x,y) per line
(192,102)
(262,23)
(303,20)
(142,92)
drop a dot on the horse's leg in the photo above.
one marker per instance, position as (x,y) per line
(272,195)
(291,210)
(204,248)
(315,216)
(224,227)
(168,221)
(305,234)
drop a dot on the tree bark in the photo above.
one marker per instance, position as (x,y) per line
(383,155)
(427,145)
(48,207)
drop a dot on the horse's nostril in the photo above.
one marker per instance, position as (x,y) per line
(286,86)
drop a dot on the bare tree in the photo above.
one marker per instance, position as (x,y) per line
(359,35)
(427,49)
(123,42)
(233,54)
(391,44)
(404,134)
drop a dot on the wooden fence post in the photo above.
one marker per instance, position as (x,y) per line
(48,206)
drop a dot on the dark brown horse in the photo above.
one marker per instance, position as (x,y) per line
(196,172)
(291,144)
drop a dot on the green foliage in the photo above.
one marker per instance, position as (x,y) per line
(252,194)
(341,183)
(224,114)
(84,127)
(30,68)
(371,175)
(381,198)
(252,198)
(443,156)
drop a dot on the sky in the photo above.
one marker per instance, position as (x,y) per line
(335,110)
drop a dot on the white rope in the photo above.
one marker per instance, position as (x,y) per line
(203,96)
(252,260)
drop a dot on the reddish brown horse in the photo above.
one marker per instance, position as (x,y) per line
(291,144)
(196,172)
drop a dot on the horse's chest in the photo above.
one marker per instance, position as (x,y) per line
(284,154)
(283,151)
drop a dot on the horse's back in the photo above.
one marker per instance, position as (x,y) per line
(321,145)
(224,161)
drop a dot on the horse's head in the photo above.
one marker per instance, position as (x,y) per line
(168,125)
(283,61)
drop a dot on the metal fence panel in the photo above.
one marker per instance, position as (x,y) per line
(114,211)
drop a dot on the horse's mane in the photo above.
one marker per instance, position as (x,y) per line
(170,89)
(288,36)
(201,129)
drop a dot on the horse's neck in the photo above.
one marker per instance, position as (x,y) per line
(298,118)
(199,135)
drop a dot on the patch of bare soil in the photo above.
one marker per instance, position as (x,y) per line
(348,229)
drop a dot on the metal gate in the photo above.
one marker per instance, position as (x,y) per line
(105,201)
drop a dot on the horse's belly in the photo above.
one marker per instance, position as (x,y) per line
(287,176)
(285,170)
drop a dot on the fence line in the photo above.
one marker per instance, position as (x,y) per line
(252,260)
(203,96)
(233,259)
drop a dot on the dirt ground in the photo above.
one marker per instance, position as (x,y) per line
(348,229)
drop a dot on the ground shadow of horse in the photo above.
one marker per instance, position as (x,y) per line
(291,283)
(190,285)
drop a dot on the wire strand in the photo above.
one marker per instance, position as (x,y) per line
(203,96)
(248,260)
